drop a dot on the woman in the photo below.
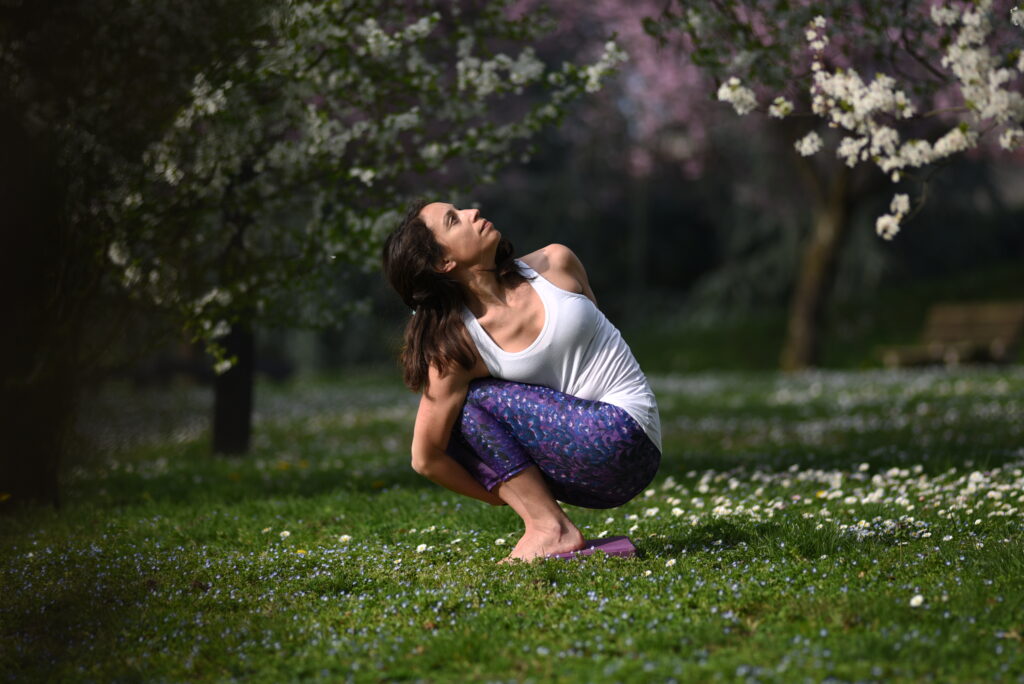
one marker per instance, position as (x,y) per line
(566,413)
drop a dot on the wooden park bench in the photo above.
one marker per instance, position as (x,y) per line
(963,333)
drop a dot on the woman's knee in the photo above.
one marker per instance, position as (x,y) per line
(483,390)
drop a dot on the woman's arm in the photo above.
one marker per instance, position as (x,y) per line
(440,405)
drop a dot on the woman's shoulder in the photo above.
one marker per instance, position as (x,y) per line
(560,265)
(555,256)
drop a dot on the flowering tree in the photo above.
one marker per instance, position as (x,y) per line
(85,86)
(290,164)
(955,79)
(301,130)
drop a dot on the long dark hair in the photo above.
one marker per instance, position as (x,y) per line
(435,334)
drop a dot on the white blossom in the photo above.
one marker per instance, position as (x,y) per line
(611,57)
(740,97)
(1011,138)
(900,204)
(117,253)
(887,226)
(780,107)
(956,140)
(850,148)
(884,140)
(809,144)
(944,16)
(365,175)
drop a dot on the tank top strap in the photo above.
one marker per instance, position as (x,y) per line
(541,285)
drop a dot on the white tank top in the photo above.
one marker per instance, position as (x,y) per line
(578,352)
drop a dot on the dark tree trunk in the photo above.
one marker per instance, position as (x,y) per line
(830,223)
(38,379)
(233,393)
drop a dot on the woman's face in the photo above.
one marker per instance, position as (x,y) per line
(466,238)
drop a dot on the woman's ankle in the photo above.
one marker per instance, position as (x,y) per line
(551,527)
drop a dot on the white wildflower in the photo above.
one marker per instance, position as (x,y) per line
(916,600)
(500,541)
(421,548)
(285,534)
(345,538)
(670,562)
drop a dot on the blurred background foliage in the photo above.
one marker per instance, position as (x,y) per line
(694,255)
(691,228)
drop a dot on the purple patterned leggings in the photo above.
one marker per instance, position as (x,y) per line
(591,453)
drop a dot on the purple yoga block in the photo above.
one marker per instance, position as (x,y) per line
(613,546)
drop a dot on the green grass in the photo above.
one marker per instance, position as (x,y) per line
(793,521)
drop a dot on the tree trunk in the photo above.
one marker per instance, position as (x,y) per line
(801,347)
(38,377)
(233,392)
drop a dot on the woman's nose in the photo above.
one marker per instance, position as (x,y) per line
(474,214)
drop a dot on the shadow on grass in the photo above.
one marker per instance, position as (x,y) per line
(74,620)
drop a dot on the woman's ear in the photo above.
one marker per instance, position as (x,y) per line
(445,266)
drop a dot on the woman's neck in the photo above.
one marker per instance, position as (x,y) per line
(483,289)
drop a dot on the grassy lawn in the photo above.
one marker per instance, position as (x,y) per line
(852,526)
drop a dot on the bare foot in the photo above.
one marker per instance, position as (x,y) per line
(537,543)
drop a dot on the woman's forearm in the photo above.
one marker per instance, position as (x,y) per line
(446,471)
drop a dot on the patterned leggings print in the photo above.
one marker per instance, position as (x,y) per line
(591,453)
